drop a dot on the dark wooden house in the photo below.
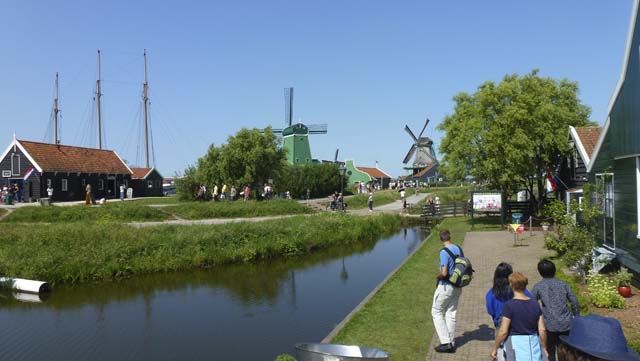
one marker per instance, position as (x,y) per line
(573,170)
(67,169)
(146,182)
(615,163)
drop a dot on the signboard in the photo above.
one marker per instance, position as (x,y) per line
(6,173)
(487,202)
(517,228)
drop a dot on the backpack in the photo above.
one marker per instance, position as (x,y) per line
(462,272)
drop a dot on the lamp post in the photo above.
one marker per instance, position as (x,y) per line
(342,169)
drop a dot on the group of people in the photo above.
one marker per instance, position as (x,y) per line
(11,193)
(223,193)
(362,187)
(336,202)
(531,325)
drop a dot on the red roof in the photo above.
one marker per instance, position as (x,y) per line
(424,170)
(140,173)
(374,172)
(65,158)
(589,138)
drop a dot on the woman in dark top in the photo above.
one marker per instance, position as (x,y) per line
(521,329)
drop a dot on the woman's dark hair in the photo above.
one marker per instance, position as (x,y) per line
(546,268)
(568,353)
(501,288)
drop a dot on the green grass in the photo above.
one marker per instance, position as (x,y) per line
(398,318)
(155,200)
(360,201)
(77,252)
(111,212)
(237,209)
(2,211)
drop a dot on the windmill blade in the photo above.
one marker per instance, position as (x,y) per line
(335,160)
(317,128)
(423,128)
(288,106)
(412,150)
(406,129)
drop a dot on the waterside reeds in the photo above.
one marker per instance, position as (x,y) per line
(77,252)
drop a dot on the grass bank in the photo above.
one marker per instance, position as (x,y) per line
(110,212)
(398,319)
(360,201)
(237,209)
(89,252)
(156,200)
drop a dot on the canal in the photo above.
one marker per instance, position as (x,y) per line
(231,313)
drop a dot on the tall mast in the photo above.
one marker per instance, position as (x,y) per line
(145,98)
(98,95)
(56,110)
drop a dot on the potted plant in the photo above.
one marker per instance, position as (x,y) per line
(545,225)
(623,279)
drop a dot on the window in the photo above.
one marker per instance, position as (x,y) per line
(126,183)
(84,183)
(15,164)
(638,194)
(158,184)
(48,183)
(65,185)
(149,184)
(100,184)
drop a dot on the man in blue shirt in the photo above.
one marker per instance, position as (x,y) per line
(446,297)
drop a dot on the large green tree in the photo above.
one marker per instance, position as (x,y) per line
(509,134)
(248,157)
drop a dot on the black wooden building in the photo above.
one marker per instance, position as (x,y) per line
(146,182)
(67,169)
(573,170)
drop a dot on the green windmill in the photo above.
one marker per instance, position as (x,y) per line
(295,137)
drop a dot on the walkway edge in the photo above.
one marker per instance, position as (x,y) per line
(366,300)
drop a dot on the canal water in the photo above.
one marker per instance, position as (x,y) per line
(232,313)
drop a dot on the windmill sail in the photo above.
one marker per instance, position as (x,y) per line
(288,106)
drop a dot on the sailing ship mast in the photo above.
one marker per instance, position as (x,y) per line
(145,98)
(98,95)
(56,110)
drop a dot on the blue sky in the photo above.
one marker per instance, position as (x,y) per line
(366,68)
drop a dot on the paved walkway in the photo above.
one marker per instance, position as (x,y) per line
(474,329)
(393,207)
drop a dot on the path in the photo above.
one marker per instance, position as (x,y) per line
(185,222)
(393,207)
(474,329)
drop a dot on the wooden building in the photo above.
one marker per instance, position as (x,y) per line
(377,175)
(146,182)
(67,169)
(615,163)
(573,169)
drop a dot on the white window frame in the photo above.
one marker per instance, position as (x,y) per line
(638,194)
(150,184)
(64,185)
(100,184)
(605,206)
(13,170)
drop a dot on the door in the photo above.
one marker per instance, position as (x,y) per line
(111,188)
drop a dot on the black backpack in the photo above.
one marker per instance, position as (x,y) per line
(462,272)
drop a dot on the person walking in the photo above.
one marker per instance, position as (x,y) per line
(122,189)
(446,297)
(223,193)
(201,193)
(89,196)
(370,202)
(553,295)
(247,192)
(214,193)
(521,327)
(50,193)
(402,197)
(18,192)
(498,295)
(232,193)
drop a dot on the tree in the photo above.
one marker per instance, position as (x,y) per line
(249,157)
(509,134)
(321,179)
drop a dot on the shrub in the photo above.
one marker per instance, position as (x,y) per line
(285,357)
(321,179)
(623,277)
(603,292)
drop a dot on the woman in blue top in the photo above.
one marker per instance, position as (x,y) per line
(499,294)
(521,328)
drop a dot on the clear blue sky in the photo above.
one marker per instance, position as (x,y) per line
(366,68)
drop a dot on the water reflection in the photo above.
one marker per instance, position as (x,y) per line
(194,315)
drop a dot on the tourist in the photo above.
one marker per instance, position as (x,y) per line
(214,193)
(521,328)
(308,195)
(595,338)
(233,193)
(333,199)
(370,202)
(122,188)
(287,195)
(402,197)
(201,193)
(553,295)
(17,192)
(223,192)
(89,196)
(247,192)
(446,297)
(50,193)
(499,294)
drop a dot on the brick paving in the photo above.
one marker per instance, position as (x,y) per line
(474,329)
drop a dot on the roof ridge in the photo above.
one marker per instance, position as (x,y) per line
(64,145)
